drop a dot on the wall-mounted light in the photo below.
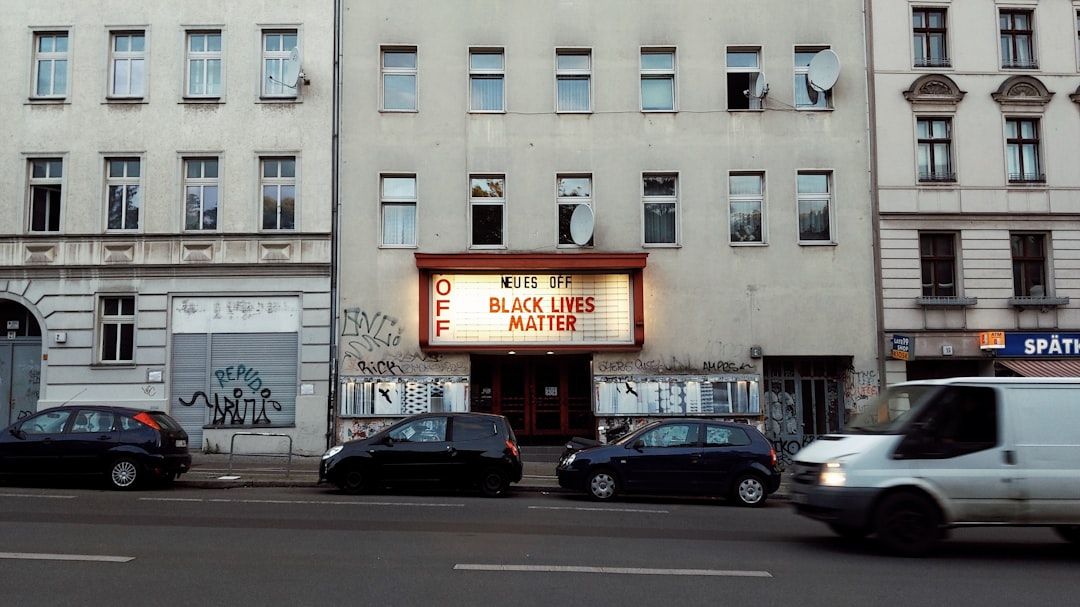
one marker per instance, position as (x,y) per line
(755,352)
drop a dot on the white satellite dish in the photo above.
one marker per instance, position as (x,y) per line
(759,87)
(291,75)
(824,70)
(581,225)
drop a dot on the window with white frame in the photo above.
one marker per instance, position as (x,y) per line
(814,199)
(46,188)
(487,210)
(659,208)
(277,52)
(573,80)
(398,203)
(486,76)
(746,206)
(50,65)
(204,64)
(1017,39)
(929,37)
(657,80)
(743,72)
(127,65)
(117,329)
(278,181)
(1022,150)
(808,96)
(934,137)
(201,188)
(123,183)
(399,75)
(571,191)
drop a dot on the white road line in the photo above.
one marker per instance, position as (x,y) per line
(617,570)
(598,509)
(34,556)
(310,502)
(51,497)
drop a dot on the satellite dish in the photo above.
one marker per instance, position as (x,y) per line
(812,92)
(824,70)
(581,225)
(290,76)
(759,87)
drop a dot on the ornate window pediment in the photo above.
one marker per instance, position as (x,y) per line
(934,89)
(1022,92)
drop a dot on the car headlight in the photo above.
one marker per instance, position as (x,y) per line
(332,452)
(833,475)
(569,459)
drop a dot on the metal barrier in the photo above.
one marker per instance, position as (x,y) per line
(232,449)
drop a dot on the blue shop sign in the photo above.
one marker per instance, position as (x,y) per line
(1056,345)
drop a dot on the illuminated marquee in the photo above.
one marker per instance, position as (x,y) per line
(530,309)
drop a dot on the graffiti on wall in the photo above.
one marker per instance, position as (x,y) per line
(252,406)
(372,331)
(406,363)
(671,365)
(859,388)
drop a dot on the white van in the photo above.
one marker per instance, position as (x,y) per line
(926,456)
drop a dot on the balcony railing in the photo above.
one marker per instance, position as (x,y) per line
(946,301)
(1027,177)
(937,177)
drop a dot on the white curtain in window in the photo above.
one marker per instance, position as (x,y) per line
(574,94)
(487,93)
(399,224)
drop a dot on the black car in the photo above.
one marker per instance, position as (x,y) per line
(676,456)
(456,449)
(126,446)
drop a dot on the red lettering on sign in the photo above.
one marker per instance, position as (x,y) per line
(441,326)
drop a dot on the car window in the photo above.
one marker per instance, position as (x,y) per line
(49,422)
(473,428)
(671,435)
(426,430)
(725,436)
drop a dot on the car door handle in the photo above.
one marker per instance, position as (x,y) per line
(104,437)
(1010,457)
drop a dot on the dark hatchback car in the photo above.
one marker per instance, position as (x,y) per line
(676,456)
(476,450)
(124,446)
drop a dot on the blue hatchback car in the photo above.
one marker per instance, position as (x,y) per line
(677,456)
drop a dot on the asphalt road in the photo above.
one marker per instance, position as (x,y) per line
(312,546)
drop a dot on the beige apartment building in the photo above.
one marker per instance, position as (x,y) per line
(588,213)
(167,178)
(977,138)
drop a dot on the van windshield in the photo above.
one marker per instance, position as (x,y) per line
(888,413)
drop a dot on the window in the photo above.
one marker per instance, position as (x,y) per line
(725,436)
(200,193)
(399,80)
(670,436)
(123,180)
(46,189)
(117,327)
(50,65)
(659,202)
(425,430)
(487,204)
(935,149)
(204,65)
(930,43)
(961,420)
(937,258)
(399,210)
(278,193)
(657,81)
(277,51)
(572,190)
(743,73)
(808,96)
(486,74)
(1029,264)
(1017,39)
(127,65)
(746,201)
(1022,150)
(815,196)
(573,77)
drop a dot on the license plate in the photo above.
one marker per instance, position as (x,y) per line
(181,443)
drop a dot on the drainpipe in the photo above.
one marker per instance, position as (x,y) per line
(875,210)
(335,232)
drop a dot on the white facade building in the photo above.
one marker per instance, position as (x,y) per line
(977,138)
(168,193)
(582,213)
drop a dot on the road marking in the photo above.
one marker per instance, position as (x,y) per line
(314,502)
(598,509)
(617,570)
(34,556)
(52,497)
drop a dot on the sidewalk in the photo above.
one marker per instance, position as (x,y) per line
(212,471)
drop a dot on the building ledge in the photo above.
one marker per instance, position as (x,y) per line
(953,301)
(1037,302)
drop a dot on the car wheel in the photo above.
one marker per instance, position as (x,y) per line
(602,485)
(1069,533)
(353,481)
(493,483)
(850,532)
(907,524)
(124,473)
(749,491)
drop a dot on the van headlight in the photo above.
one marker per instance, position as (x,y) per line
(832,475)
(332,452)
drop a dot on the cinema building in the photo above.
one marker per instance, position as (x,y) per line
(584,214)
